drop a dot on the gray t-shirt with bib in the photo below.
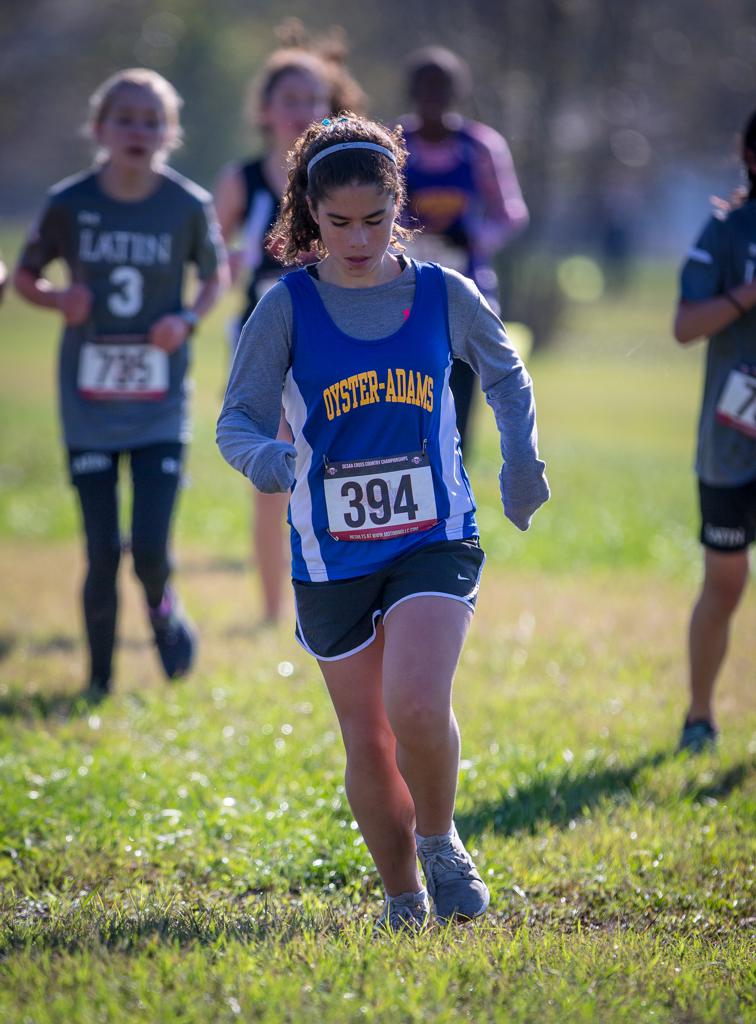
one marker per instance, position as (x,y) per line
(116,391)
(723,257)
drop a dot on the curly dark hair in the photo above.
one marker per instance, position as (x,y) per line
(295,236)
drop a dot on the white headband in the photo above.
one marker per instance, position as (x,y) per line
(349,145)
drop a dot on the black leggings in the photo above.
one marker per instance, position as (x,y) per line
(155,475)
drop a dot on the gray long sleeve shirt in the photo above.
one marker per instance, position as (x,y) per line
(249,419)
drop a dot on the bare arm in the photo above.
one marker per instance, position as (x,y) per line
(228,199)
(210,290)
(506,214)
(172,330)
(74,302)
(695,320)
(37,290)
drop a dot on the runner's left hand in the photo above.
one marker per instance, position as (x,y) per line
(169,333)
(523,492)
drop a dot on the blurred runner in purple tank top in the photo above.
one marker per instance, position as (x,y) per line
(461,185)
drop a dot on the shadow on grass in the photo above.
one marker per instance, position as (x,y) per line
(199,567)
(558,801)
(56,643)
(59,643)
(720,785)
(7,643)
(54,707)
(130,927)
(62,644)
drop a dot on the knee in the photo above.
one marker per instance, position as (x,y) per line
(369,748)
(103,564)
(150,564)
(722,591)
(419,723)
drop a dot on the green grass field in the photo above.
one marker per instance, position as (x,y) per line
(186,852)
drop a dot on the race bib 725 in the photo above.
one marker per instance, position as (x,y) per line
(737,403)
(122,367)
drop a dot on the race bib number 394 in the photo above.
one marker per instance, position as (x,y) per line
(377,499)
(737,404)
(125,368)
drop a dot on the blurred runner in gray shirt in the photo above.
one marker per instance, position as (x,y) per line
(718,301)
(126,231)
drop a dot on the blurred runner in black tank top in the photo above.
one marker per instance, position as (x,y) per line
(300,83)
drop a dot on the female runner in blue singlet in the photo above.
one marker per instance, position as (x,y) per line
(383,533)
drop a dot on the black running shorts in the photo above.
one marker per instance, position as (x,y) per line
(338,618)
(728,516)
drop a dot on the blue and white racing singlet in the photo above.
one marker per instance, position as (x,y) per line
(379,471)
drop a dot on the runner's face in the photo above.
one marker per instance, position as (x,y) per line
(433,94)
(134,128)
(298,98)
(356,223)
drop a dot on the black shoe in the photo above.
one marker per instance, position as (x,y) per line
(97,690)
(697,736)
(175,637)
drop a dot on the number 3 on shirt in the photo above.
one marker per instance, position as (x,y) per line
(126,300)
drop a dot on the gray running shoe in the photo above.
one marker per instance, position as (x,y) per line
(406,913)
(454,884)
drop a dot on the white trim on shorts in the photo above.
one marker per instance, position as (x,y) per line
(430,593)
(300,638)
(441,593)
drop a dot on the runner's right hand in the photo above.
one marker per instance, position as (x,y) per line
(273,467)
(75,303)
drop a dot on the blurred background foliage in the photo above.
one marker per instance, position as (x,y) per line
(622,117)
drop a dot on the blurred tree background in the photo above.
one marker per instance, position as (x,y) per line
(622,117)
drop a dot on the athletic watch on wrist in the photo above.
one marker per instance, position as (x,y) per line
(190,318)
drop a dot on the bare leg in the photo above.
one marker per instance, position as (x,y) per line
(270,542)
(417,686)
(377,793)
(269,538)
(725,576)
